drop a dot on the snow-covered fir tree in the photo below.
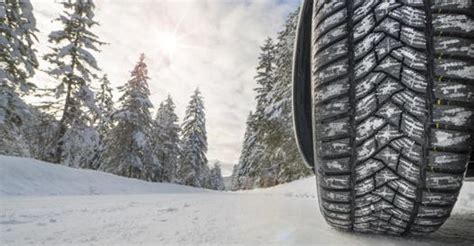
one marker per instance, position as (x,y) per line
(216,181)
(265,78)
(246,172)
(280,142)
(17,64)
(103,121)
(269,155)
(128,147)
(74,66)
(106,107)
(166,139)
(255,168)
(193,169)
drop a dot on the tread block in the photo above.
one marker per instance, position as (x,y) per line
(333,71)
(335,165)
(384,8)
(448,161)
(336,196)
(409,148)
(331,22)
(367,64)
(429,221)
(334,148)
(334,34)
(331,90)
(387,46)
(369,127)
(326,10)
(367,44)
(413,80)
(413,128)
(443,181)
(409,16)
(411,58)
(366,200)
(409,171)
(453,23)
(368,83)
(333,108)
(336,182)
(404,187)
(454,68)
(339,216)
(390,27)
(454,91)
(337,207)
(363,27)
(411,102)
(453,115)
(454,46)
(364,187)
(364,211)
(403,203)
(438,198)
(332,53)
(426,211)
(451,139)
(333,129)
(391,112)
(366,149)
(413,37)
(366,106)
(363,9)
(367,169)
(389,157)
(385,192)
(339,223)
(384,176)
(452,4)
(390,66)
(387,88)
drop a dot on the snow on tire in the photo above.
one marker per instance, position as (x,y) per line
(393,111)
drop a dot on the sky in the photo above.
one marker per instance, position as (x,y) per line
(210,44)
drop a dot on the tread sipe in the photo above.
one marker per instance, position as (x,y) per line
(393,85)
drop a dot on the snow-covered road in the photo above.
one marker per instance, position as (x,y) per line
(170,214)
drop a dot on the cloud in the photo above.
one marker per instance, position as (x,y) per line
(217,51)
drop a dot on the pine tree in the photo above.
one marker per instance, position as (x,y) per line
(74,66)
(265,78)
(269,155)
(280,142)
(105,105)
(193,168)
(17,64)
(17,35)
(216,181)
(128,149)
(246,172)
(255,168)
(166,139)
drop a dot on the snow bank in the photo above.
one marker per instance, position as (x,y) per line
(29,177)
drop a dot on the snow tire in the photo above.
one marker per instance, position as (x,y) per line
(393,106)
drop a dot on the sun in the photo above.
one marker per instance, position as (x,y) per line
(168,43)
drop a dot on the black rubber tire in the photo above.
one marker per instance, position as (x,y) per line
(393,111)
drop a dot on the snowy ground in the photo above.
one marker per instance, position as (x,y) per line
(45,204)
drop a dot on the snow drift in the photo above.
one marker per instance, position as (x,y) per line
(29,177)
